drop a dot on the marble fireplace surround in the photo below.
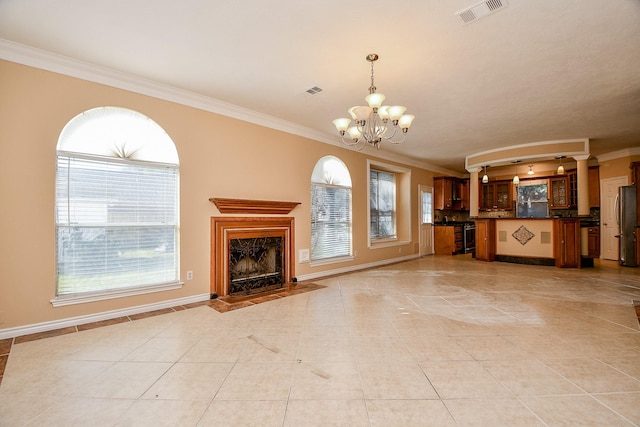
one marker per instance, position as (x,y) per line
(225,228)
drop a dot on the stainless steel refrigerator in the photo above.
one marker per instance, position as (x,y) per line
(627,216)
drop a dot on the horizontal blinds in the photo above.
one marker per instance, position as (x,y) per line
(116,225)
(330,221)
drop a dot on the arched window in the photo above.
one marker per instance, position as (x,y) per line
(330,209)
(116,206)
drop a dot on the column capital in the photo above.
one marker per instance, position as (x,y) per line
(582,157)
(476,170)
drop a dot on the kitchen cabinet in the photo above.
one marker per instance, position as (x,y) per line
(496,195)
(594,187)
(448,239)
(593,242)
(450,193)
(464,189)
(572,178)
(442,193)
(559,192)
(485,239)
(566,242)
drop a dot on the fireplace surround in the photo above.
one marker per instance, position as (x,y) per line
(237,263)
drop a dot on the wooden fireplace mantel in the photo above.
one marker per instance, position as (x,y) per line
(253,206)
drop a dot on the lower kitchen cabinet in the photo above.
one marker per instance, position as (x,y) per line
(593,242)
(448,239)
(485,239)
(566,242)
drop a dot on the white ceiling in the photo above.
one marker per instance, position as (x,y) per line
(533,71)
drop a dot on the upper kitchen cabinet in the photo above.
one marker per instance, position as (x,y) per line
(594,187)
(450,193)
(497,195)
(559,188)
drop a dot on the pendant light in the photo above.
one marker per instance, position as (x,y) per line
(485,177)
(560,170)
(516,179)
(530,171)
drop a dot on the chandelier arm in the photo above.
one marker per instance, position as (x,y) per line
(358,144)
(404,136)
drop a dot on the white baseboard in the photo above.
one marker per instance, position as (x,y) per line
(107,315)
(98,317)
(353,268)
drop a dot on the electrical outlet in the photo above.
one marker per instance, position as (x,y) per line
(303,255)
(189,275)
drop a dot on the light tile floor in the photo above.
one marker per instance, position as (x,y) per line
(436,341)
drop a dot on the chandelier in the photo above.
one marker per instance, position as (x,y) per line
(373,122)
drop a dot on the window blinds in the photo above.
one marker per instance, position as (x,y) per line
(116,224)
(330,221)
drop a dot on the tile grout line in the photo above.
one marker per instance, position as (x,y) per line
(130,318)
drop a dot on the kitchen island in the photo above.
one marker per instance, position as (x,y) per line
(540,241)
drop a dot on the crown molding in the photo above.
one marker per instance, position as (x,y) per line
(48,61)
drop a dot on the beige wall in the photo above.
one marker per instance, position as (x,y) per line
(617,167)
(219,157)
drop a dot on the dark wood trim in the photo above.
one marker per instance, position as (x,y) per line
(261,207)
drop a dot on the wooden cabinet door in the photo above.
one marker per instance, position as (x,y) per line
(442,193)
(594,187)
(566,236)
(444,240)
(503,195)
(593,242)
(485,239)
(464,194)
(559,193)
(487,196)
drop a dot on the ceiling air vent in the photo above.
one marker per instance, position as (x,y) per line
(480,10)
(314,90)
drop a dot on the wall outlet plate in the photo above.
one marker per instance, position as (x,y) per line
(303,255)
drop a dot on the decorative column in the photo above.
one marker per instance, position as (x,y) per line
(583,185)
(473,192)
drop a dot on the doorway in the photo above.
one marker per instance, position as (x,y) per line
(609,246)
(425,220)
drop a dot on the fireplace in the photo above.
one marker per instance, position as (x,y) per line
(251,254)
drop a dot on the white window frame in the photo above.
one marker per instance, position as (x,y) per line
(328,181)
(402,200)
(144,139)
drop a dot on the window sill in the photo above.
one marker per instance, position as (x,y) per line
(65,300)
(387,243)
